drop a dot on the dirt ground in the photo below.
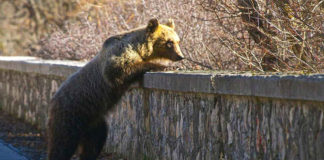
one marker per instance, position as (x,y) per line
(28,140)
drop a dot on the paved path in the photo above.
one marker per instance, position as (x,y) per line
(9,153)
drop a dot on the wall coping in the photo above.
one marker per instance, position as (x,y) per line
(300,87)
(62,68)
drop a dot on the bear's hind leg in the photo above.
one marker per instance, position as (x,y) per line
(62,147)
(93,141)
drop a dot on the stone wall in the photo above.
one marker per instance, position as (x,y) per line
(188,115)
(27,85)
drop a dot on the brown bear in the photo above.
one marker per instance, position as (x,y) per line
(77,110)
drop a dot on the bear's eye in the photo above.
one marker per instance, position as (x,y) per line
(169,44)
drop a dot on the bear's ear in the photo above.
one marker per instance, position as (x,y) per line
(152,25)
(170,23)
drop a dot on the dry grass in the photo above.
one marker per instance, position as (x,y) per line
(24,22)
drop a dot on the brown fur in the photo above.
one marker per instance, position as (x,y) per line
(77,110)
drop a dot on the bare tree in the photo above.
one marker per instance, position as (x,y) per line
(286,35)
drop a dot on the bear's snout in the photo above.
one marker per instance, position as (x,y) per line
(179,57)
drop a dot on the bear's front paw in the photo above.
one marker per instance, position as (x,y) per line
(158,67)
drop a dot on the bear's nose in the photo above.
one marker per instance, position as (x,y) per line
(179,58)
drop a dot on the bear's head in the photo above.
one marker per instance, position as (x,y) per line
(163,41)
